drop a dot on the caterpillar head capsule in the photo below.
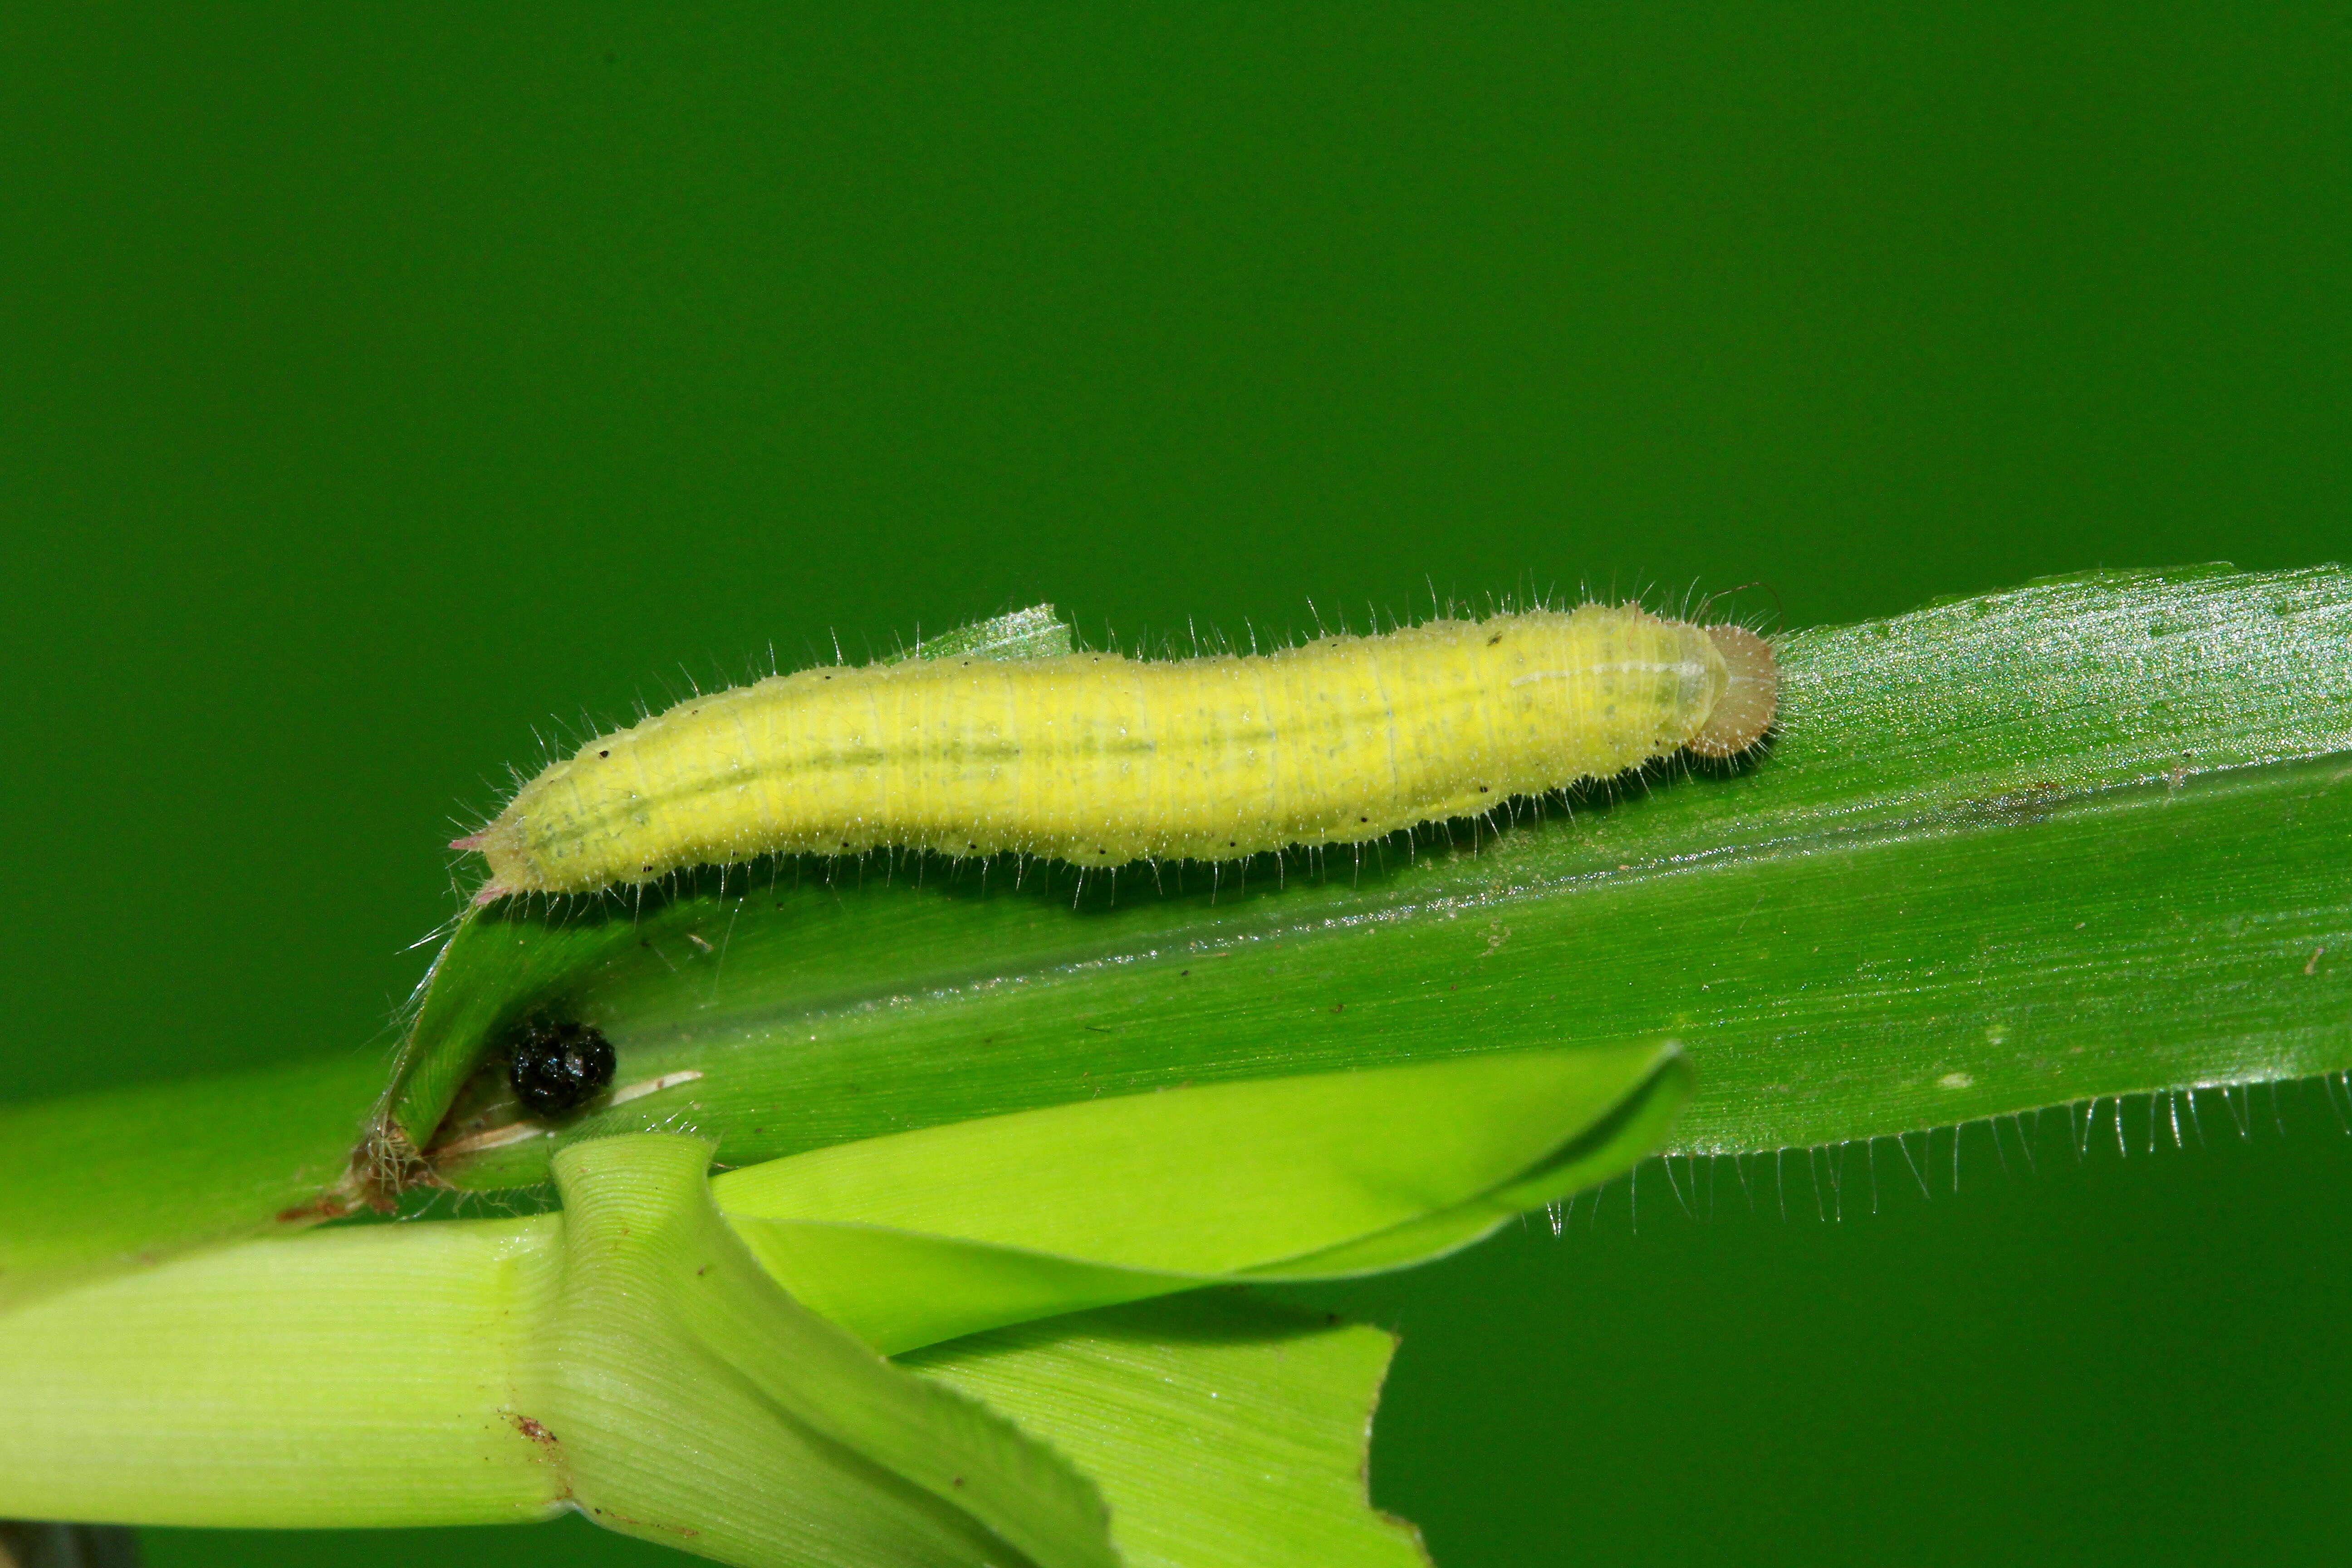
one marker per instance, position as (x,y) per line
(1750,697)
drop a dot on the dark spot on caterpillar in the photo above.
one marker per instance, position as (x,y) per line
(557,1066)
(1493,640)
(603,753)
(1482,789)
(1363,819)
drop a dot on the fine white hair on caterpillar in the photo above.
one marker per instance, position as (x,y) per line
(1002,738)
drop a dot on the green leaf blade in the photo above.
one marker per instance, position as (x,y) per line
(1840,934)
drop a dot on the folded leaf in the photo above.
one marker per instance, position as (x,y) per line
(1225,1432)
(925,1236)
(624,1357)
(698,1405)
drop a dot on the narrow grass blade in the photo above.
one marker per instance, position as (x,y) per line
(2077,840)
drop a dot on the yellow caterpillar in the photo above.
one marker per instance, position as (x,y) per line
(1099,759)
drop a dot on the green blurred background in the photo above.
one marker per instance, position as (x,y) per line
(387,387)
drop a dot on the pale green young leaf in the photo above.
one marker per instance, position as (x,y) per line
(1225,1432)
(624,1357)
(925,1236)
(663,1326)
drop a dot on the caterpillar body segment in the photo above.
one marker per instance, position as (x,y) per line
(1099,759)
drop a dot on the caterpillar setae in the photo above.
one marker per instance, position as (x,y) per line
(1007,740)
